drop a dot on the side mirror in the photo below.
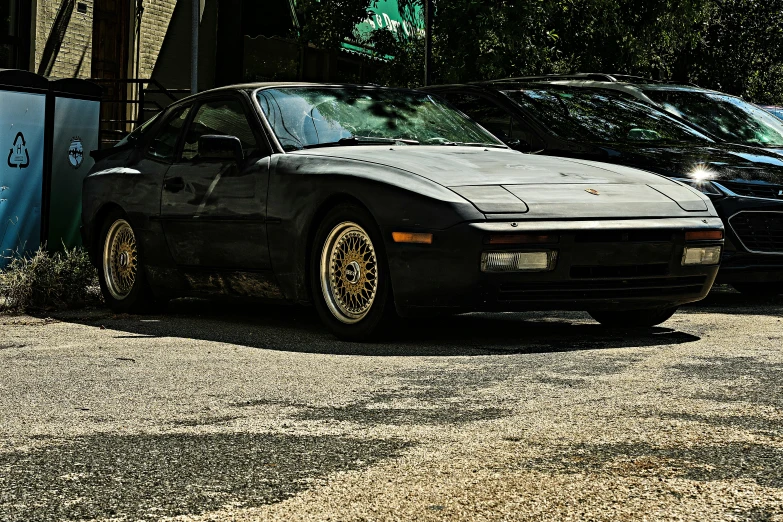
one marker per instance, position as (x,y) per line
(520,145)
(212,147)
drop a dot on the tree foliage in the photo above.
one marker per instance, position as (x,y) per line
(731,45)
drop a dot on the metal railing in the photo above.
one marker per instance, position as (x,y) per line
(117,117)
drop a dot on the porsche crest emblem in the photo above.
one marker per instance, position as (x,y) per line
(592,191)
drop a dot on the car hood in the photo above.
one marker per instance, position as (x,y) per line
(499,181)
(724,162)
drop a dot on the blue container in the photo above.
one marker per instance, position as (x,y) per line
(48,128)
(22,134)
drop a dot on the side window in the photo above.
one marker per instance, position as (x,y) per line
(164,145)
(509,129)
(224,118)
(489,115)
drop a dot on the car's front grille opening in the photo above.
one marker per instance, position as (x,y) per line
(759,231)
(605,272)
(603,289)
(624,236)
(756,190)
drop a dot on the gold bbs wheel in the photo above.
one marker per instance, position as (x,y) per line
(349,272)
(120,259)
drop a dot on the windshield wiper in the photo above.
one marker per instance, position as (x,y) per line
(362,140)
(470,144)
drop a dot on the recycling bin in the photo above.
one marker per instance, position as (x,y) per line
(75,115)
(49,127)
(22,127)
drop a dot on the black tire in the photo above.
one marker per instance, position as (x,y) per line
(366,324)
(139,298)
(770,289)
(633,318)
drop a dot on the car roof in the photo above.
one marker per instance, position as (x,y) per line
(274,85)
(619,82)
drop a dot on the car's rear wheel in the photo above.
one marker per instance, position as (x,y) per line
(349,275)
(646,318)
(121,273)
(770,289)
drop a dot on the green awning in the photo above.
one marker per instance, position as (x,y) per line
(386,15)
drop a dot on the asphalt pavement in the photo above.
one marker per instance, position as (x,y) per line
(235,412)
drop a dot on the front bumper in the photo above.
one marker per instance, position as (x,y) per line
(601,265)
(748,255)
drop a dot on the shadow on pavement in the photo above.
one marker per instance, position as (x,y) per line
(725,300)
(299,330)
(148,477)
(742,461)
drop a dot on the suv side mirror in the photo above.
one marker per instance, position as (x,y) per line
(213,147)
(520,145)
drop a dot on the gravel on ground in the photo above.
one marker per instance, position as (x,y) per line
(215,412)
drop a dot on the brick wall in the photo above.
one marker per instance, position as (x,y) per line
(154,24)
(73,59)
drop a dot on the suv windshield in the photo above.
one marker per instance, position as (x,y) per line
(306,117)
(602,115)
(727,117)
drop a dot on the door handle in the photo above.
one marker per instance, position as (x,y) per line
(174,184)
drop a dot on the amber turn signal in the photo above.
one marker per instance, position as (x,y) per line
(703,235)
(412,237)
(520,239)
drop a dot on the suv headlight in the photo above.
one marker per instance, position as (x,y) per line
(703,186)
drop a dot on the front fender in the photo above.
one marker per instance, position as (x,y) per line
(302,186)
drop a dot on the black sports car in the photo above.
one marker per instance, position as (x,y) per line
(372,202)
(589,120)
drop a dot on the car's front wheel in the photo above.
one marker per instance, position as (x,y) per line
(646,318)
(350,279)
(121,273)
(770,289)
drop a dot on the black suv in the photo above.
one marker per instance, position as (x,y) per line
(578,119)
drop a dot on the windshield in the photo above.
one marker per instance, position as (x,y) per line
(138,132)
(776,111)
(727,117)
(602,115)
(305,117)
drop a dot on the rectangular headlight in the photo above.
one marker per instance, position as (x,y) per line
(709,255)
(518,261)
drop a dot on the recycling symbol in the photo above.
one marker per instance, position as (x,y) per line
(18,155)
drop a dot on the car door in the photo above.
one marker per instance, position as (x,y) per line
(214,210)
(158,152)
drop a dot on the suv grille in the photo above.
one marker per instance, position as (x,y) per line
(759,231)
(756,190)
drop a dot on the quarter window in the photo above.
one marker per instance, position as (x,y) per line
(223,118)
(164,144)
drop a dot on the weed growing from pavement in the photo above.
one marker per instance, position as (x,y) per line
(44,280)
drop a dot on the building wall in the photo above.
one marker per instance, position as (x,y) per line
(154,25)
(71,48)
(72,57)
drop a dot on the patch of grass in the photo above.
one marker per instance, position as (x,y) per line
(45,280)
